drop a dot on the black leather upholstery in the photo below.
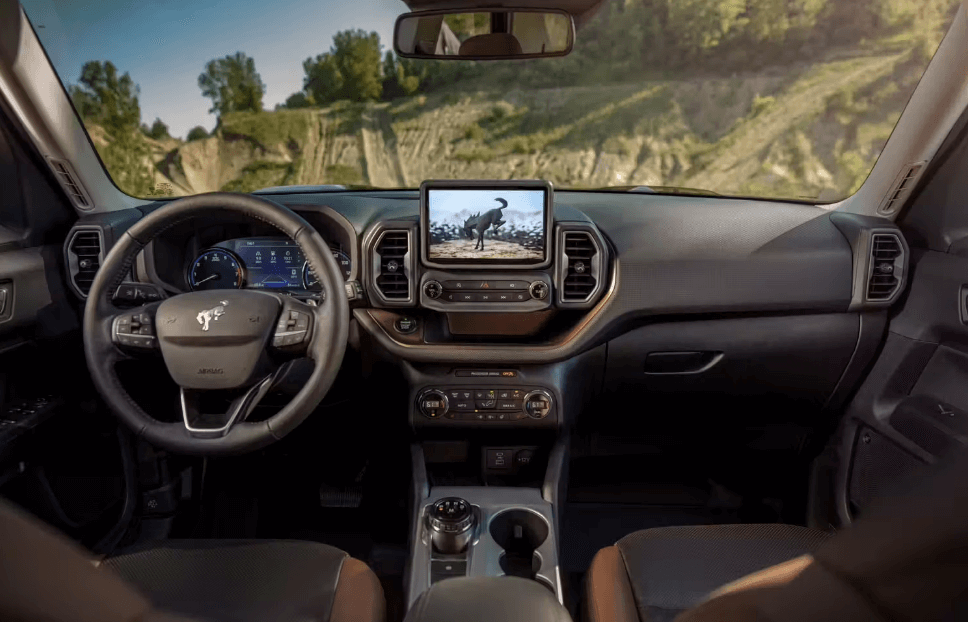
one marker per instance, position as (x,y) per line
(673,568)
(237,581)
(487,599)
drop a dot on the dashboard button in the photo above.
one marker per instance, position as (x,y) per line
(485,394)
(464,405)
(511,285)
(468,297)
(487,297)
(462,285)
(491,417)
(454,394)
(504,395)
(486,404)
(508,405)
(521,296)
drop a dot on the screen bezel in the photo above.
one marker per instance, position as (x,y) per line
(486,264)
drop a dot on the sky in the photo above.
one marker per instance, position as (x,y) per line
(165,45)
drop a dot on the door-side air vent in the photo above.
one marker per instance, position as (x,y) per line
(69,181)
(84,256)
(393,261)
(886,263)
(581,274)
(901,189)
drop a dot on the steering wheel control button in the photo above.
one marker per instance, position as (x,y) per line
(291,329)
(537,404)
(405,325)
(135,330)
(433,404)
(538,290)
(433,289)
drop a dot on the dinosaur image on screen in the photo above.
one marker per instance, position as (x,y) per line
(484,224)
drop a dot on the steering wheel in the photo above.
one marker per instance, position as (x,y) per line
(231,341)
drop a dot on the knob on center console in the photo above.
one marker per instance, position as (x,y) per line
(451,522)
(539,290)
(433,289)
(433,403)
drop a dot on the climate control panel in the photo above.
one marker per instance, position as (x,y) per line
(485,404)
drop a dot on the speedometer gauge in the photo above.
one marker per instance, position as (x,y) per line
(311,282)
(215,269)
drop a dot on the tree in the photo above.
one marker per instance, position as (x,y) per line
(197,133)
(350,70)
(158,130)
(299,100)
(232,84)
(396,81)
(106,98)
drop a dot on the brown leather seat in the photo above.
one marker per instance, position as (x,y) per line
(46,577)
(655,574)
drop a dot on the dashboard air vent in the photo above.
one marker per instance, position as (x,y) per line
(902,188)
(393,277)
(69,181)
(84,255)
(580,278)
(886,251)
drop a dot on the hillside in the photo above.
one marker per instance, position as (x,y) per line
(810,131)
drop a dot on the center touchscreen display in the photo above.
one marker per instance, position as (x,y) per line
(468,226)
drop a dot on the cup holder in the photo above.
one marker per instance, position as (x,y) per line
(519,533)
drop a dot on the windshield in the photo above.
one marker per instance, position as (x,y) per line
(767,98)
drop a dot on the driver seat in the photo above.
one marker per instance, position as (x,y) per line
(47,577)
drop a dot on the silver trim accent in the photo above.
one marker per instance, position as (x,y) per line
(597,264)
(242,409)
(72,266)
(373,264)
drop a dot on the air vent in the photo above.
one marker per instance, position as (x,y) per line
(393,275)
(84,255)
(580,277)
(901,189)
(886,252)
(69,181)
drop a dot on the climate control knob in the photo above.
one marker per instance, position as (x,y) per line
(539,290)
(433,289)
(537,404)
(433,404)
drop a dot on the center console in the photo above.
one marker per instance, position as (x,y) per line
(472,531)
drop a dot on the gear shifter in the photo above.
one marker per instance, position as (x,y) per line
(451,522)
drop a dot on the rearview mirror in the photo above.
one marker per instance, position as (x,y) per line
(485,34)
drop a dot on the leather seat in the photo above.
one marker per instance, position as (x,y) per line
(655,574)
(253,580)
(48,578)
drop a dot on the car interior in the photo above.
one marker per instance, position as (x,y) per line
(306,403)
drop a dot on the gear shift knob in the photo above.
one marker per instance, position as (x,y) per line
(451,522)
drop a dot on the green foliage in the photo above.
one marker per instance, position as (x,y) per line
(258,175)
(280,127)
(350,70)
(474,132)
(127,159)
(232,84)
(762,104)
(105,98)
(197,133)
(158,130)
(299,100)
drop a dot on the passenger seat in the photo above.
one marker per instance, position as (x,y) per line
(653,575)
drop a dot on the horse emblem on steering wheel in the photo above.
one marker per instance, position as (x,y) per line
(208,315)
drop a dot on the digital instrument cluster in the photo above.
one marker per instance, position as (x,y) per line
(258,263)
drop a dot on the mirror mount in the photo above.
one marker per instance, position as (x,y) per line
(485,33)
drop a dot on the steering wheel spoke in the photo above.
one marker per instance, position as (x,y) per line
(133,330)
(215,425)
